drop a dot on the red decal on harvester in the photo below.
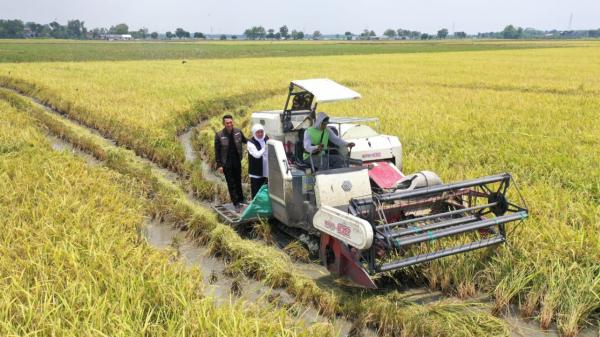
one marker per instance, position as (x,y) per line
(344,230)
(372,155)
(340,228)
(329,225)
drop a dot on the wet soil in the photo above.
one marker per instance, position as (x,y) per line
(61,145)
(223,287)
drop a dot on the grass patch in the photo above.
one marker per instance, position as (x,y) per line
(81,51)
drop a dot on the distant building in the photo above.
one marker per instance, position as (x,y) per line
(117,37)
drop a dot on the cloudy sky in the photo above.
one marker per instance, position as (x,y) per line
(328,16)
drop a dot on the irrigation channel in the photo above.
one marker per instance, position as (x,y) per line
(222,286)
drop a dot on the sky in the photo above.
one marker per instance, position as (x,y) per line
(327,16)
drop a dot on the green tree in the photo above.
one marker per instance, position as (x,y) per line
(198,35)
(460,35)
(284,31)
(348,35)
(76,29)
(390,33)
(121,28)
(169,35)
(142,33)
(442,33)
(296,35)
(316,35)
(12,29)
(181,33)
(511,32)
(36,29)
(154,35)
(255,33)
(223,37)
(271,34)
(403,33)
(57,30)
(364,35)
(415,35)
(98,33)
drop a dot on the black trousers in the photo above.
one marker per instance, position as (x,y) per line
(233,176)
(256,184)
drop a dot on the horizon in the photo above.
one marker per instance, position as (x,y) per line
(229,17)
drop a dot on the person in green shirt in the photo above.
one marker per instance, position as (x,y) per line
(316,139)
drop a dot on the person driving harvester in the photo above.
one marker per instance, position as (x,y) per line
(316,139)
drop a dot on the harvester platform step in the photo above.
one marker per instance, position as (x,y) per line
(228,213)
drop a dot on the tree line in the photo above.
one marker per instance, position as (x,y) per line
(75,29)
(260,33)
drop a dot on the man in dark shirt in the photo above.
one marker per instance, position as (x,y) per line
(228,153)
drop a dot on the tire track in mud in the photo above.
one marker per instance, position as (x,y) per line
(190,154)
(60,145)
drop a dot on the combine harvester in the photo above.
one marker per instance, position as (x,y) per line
(368,216)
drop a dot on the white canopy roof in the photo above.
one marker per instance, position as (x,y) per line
(326,90)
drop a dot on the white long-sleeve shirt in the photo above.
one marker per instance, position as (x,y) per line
(254,152)
(308,147)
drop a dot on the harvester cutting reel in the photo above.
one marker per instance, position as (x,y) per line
(412,224)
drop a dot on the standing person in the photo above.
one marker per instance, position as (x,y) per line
(316,139)
(228,154)
(258,168)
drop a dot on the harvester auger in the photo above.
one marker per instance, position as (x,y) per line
(368,216)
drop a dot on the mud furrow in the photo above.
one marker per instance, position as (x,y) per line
(60,145)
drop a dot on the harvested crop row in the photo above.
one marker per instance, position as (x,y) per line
(391,316)
(72,264)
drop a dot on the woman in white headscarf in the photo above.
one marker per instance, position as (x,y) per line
(258,169)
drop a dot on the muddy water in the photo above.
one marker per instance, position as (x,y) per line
(191,156)
(186,140)
(207,172)
(63,146)
(224,288)
(520,327)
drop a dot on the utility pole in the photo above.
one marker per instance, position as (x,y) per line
(571,21)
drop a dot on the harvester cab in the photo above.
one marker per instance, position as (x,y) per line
(368,217)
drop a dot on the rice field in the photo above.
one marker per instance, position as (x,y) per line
(529,111)
(73,264)
(83,51)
